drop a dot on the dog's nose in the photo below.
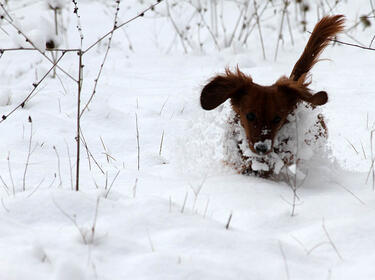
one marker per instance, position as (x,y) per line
(261,148)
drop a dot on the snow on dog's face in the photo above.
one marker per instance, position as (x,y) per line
(262,109)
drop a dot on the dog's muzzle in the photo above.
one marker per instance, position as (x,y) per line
(263,147)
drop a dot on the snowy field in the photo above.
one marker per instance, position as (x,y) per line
(167,219)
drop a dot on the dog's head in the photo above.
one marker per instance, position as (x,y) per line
(262,109)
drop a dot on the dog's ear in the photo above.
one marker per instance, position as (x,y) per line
(222,87)
(303,93)
(317,99)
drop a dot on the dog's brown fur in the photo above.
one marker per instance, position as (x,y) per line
(263,109)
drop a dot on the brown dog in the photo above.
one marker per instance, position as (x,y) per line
(262,111)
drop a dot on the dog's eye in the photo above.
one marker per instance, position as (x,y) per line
(250,116)
(276,120)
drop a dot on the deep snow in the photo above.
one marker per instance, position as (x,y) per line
(167,220)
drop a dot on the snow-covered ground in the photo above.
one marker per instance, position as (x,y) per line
(168,219)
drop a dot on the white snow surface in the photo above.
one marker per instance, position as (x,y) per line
(168,219)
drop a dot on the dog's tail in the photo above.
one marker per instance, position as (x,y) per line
(324,31)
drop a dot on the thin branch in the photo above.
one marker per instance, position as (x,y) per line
(285,261)
(28,155)
(259,29)
(11,22)
(70,165)
(349,44)
(58,166)
(141,14)
(79,27)
(35,86)
(78,135)
(104,59)
(113,181)
(138,146)
(330,241)
(229,220)
(10,174)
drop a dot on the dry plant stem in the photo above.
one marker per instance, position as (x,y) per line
(279,37)
(5,186)
(352,45)
(73,220)
(35,86)
(229,220)
(214,17)
(34,49)
(141,14)
(259,28)
(178,32)
(87,149)
(53,181)
(372,7)
(184,204)
(161,143)
(293,184)
(243,12)
(93,227)
(285,261)
(289,28)
(28,155)
(330,241)
(248,33)
(104,59)
(79,27)
(372,41)
(70,166)
(3,204)
(10,174)
(135,188)
(355,196)
(105,149)
(150,241)
(138,146)
(78,135)
(113,181)
(36,188)
(84,142)
(10,21)
(351,144)
(206,208)
(208,28)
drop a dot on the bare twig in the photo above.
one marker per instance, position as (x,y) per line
(93,227)
(285,261)
(161,143)
(184,204)
(141,14)
(138,146)
(104,59)
(229,220)
(58,166)
(79,27)
(11,22)
(259,28)
(28,155)
(279,37)
(113,181)
(6,188)
(35,86)
(78,135)
(330,240)
(90,155)
(10,174)
(70,166)
(135,188)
